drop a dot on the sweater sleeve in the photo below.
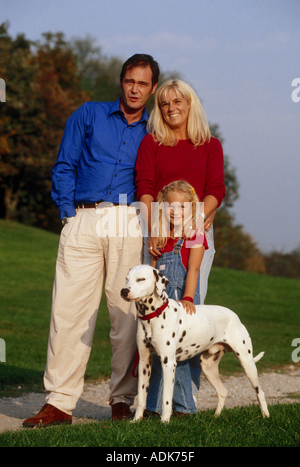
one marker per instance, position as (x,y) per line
(214,179)
(145,168)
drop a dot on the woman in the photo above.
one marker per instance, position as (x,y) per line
(179,146)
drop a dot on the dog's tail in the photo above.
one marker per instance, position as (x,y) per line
(258,357)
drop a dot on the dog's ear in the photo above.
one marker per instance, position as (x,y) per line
(161,282)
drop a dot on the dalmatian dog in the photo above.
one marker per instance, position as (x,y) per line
(165,329)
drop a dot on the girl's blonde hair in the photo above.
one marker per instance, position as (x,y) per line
(162,224)
(197,127)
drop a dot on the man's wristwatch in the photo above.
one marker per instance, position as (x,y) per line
(66,220)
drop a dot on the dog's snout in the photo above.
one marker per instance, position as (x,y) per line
(125,292)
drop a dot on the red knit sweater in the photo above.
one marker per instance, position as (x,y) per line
(202,167)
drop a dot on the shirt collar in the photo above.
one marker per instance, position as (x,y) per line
(115,108)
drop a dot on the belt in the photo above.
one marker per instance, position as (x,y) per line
(104,204)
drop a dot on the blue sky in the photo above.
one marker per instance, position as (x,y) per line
(240,56)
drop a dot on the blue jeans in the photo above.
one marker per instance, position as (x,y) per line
(187,374)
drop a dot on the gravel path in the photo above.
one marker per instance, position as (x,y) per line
(283,387)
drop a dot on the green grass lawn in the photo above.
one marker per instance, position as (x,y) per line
(27,266)
(242,427)
(268,306)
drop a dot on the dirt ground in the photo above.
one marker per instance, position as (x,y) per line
(279,387)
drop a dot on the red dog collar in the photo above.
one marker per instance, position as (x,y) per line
(156,312)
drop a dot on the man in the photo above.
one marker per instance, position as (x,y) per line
(93,185)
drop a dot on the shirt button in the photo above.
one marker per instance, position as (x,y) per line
(124,142)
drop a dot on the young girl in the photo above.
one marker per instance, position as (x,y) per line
(182,244)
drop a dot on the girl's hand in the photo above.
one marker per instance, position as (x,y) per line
(153,247)
(189,307)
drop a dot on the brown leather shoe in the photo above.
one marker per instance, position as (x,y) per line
(121,411)
(49,415)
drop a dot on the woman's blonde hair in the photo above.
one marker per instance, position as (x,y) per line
(162,224)
(197,127)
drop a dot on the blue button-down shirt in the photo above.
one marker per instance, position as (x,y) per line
(97,156)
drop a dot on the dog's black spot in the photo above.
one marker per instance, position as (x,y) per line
(156,274)
(167,403)
(150,300)
(193,345)
(184,333)
(144,371)
(166,360)
(152,308)
(168,342)
(257,390)
(143,387)
(198,346)
(179,350)
(147,388)
(249,351)
(237,354)
(189,356)
(211,339)
(173,335)
(244,342)
(186,351)
(148,365)
(181,339)
(164,315)
(162,326)
(148,321)
(224,340)
(180,321)
(175,309)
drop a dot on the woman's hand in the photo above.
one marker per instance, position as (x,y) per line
(209,221)
(189,307)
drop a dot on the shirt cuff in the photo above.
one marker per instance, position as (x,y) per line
(67,211)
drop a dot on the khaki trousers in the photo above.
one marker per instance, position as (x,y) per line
(95,246)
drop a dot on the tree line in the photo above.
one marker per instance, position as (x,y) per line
(46,81)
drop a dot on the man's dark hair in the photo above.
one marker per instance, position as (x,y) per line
(141,60)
